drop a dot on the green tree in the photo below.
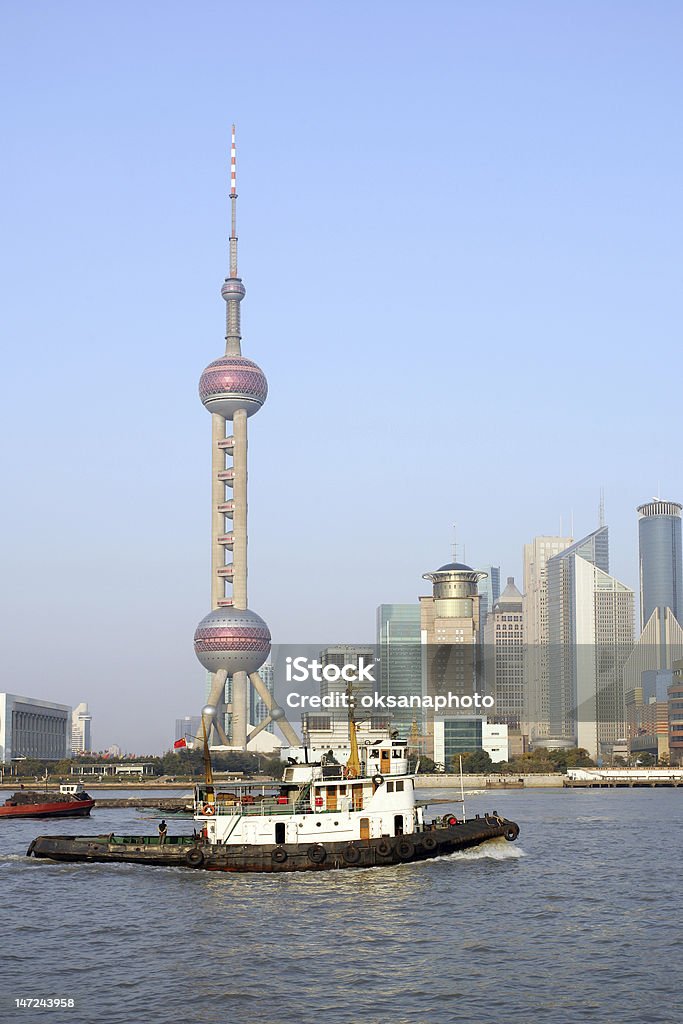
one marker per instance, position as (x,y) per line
(474,762)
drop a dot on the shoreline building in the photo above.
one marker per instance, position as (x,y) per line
(590,626)
(464,735)
(449,627)
(232,640)
(81,721)
(649,672)
(504,659)
(30,727)
(400,662)
(535,613)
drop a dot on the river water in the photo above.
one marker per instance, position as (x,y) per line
(576,921)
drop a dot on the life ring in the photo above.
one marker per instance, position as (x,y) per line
(430,844)
(316,853)
(405,849)
(194,858)
(512,833)
(279,855)
(208,809)
(351,854)
(450,819)
(384,848)
(377,780)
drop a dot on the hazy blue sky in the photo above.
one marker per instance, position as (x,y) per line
(460,233)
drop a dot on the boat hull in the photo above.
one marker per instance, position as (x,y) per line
(74,809)
(184,851)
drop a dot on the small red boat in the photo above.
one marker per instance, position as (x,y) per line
(71,801)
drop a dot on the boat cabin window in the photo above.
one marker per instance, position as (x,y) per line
(390,787)
(280,832)
(375,753)
(397,752)
(399,787)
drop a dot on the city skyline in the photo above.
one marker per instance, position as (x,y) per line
(568,258)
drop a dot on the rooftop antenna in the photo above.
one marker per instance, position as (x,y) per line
(601,511)
(454,545)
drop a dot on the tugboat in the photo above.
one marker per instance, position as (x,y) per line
(71,801)
(321,816)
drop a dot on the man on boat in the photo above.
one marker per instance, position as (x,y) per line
(163,831)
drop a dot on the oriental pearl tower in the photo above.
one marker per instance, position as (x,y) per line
(232,640)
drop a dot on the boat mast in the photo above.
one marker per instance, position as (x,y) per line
(353,763)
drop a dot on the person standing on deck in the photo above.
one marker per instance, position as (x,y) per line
(163,831)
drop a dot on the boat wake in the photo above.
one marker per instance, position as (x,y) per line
(497,849)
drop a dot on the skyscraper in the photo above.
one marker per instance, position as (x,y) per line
(504,660)
(535,613)
(661,572)
(449,622)
(590,628)
(648,673)
(232,639)
(81,720)
(400,660)
(489,590)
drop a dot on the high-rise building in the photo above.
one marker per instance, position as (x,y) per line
(661,567)
(81,720)
(489,590)
(232,640)
(648,674)
(30,727)
(449,622)
(504,661)
(590,628)
(675,714)
(535,613)
(400,661)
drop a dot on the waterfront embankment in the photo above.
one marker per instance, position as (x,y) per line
(493,782)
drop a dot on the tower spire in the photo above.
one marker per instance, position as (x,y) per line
(233,291)
(233,205)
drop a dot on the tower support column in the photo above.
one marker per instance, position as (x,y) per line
(239,552)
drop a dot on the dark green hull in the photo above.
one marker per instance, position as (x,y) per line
(184,851)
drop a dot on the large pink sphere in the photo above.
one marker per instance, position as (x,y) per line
(231,383)
(234,639)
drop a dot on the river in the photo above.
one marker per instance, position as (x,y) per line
(576,921)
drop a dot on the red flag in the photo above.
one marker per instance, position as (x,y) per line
(180,743)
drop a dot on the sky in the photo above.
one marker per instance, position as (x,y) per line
(460,235)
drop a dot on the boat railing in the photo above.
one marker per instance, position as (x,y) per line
(262,808)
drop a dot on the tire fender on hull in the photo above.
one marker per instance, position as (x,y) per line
(194,858)
(405,849)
